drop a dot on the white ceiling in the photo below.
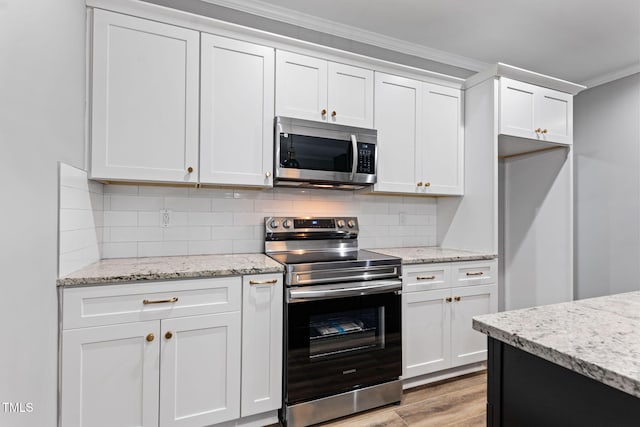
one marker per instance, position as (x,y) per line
(583,41)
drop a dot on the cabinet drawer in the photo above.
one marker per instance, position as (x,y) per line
(110,304)
(474,273)
(425,277)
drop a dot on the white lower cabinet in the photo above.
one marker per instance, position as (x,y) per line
(182,353)
(439,302)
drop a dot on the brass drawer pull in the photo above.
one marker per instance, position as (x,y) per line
(150,337)
(457,298)
(161,301)
(263,282)
(426,277)
(479,273)
(448,299)
(168,335)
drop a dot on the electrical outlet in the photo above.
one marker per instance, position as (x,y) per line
(165,218)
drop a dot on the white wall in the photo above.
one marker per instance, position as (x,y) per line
(607,188)
(42,68)
(231,220)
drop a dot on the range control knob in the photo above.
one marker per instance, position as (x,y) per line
(274,224)
(340,223)
(351,223)
(286,223)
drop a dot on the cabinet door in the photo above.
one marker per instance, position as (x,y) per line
(398,118)
(200,370)
(261,343)
(350,96)
(468,345)
(110,375)
(301,86)
(144,116)
(517,108)
(442,153)
(555,114)
(236,119)
(426,332)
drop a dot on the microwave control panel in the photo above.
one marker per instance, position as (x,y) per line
(366,158)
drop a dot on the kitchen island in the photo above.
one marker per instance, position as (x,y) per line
(568,364)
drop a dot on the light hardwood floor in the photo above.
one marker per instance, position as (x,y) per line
(456,402)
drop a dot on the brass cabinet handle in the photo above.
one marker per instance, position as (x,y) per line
(538,130)
(190,169)
(457,298)
(333,114)
(268,174)
(419,184)
(448,299)
(478,273)
(323,112)
(544,131)
(263,282)
(150,337)
(168,335)
(427,184)
(425,277)
(162,301)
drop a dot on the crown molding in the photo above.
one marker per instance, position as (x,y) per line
(614,75)
(278,13)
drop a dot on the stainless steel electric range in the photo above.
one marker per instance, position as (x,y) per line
(342,317)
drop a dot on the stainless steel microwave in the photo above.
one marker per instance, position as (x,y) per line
(325,155)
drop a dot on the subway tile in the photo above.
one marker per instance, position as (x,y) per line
(410,241)
(248,246)
(163,191)
(233,232)
(383,219)
(74,219)
(135,203)
(273,205)
(210,247)
(186,233)
(257,194)
(134,234)
(232,205)
(96,187)
(119,249)
(72,198)
(187,204)
(121,219)
(389,242)
(248,218)
(168,248)
(74,240)
(295,194)
(73,177)
(210,218)
(78,259)
(212,193)
(121,189)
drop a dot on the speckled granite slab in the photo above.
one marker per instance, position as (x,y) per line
(597,337)
(174,267)
(433,254)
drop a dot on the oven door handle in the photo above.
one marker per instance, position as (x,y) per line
(316,293)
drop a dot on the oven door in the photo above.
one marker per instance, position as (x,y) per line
(341,342)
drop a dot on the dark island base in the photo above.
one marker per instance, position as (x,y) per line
(524,390)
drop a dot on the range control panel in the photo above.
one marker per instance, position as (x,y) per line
(310,224)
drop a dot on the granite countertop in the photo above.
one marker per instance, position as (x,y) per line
(596,337)
(174,267)
(433,254)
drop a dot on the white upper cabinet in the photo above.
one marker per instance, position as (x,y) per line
(315,89)
(534,112)
(420,138)
(442,152)
(236,119)
(144,88)
(398,112)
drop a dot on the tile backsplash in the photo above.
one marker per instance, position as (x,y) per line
(144,221)
(80,220)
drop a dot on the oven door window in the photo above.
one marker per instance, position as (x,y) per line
(314,153)
(337,334)
(341,344)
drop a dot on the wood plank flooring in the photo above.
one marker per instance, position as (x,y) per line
(457,402)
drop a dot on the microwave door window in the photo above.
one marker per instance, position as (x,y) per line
(313,153)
